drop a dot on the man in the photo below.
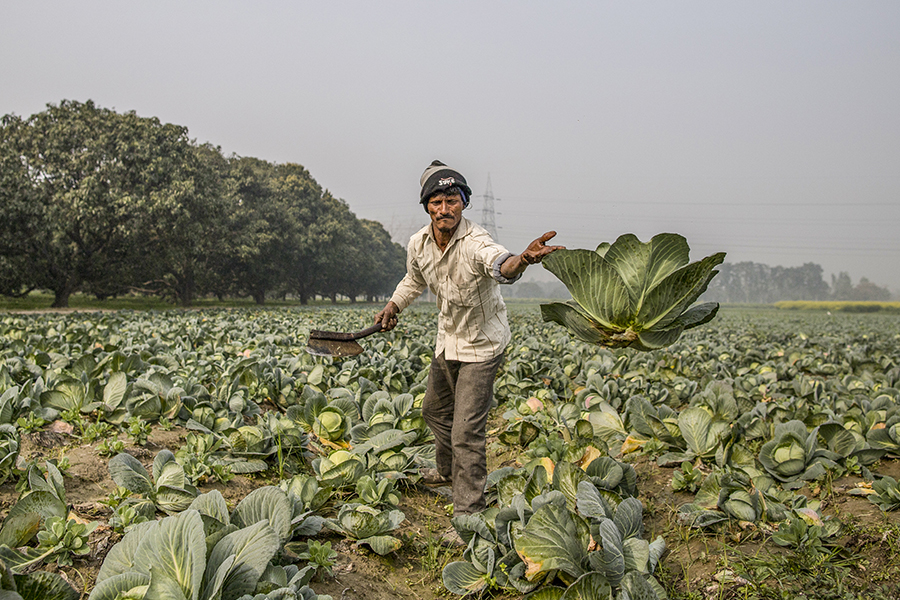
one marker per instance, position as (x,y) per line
(460,263)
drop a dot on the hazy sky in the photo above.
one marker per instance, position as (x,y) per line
(769,130)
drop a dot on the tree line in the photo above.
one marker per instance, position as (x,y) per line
(750,282)
(109,203)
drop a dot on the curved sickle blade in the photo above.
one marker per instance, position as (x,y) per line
(334,348)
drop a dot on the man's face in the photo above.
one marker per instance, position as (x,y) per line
(445,211)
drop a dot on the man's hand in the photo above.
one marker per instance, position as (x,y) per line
(388,316)
(534,254)
(538,249)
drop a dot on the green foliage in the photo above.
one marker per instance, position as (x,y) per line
(319,556)
(124,516)
(36,585)
(103,202)
(110,447)
(208,553)
(99,430)
(205,370)
(632,294)
(381,493)
(30,422)
(339,469)
(802,535)
(687,478)
(886,493)
(168,490)
(534,541)
(202,458)
(9,450)
(793,454)
(82,179)
(60,539)
(368,526)
(138,430)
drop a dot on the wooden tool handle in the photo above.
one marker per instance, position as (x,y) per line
(367,331)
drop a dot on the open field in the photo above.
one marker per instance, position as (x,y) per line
(762,448)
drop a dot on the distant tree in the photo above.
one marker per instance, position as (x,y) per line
(749,282)
(841,286)
(799,283)
(741,282)
(79,179)
(865,290)
(342,260)
(103,203)
(181,226)
(20,213)
(255,254)
(14,276)
(310,228)
(385,261)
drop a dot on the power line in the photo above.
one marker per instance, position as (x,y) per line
(607,203)
(487,211)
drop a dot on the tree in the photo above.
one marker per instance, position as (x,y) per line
(385,262)
(311,229)
(183,224)
(263,225)
(799,283)
(841,286)
(341,261)
(749,282)
(79,178)
(867,291)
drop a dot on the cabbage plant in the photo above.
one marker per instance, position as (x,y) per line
(9,450)
(489,558)
(203,552)
(886,437)
(886,494)
(168,490)
(341,468)
(36,585)
(381,413)
(330,422)
(381,493)
(286,583)
(731,494)
(307,497)
(368,526)
(632,294)
(544,532)
(794,455)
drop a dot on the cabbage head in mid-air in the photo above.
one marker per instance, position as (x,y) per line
(632,294)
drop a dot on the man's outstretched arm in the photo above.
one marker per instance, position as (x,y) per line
(535,253)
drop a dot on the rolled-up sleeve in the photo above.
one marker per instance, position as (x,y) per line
(498,275)
(407,290)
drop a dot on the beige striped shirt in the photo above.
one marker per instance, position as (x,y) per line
(465,278)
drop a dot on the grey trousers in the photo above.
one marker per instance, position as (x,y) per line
(456,405)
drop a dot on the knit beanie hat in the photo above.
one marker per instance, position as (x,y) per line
(438,177)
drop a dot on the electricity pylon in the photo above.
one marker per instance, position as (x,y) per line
(487,210)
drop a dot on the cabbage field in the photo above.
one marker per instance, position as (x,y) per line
(204,455)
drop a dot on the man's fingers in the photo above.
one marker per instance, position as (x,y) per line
(547,236)
(549,249)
